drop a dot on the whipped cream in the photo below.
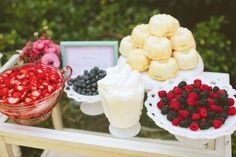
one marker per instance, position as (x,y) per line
(122,94)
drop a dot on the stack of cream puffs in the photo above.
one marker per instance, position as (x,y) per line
(160,47)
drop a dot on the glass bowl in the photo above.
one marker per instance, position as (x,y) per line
(38,111)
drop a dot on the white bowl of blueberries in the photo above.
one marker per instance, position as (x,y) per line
(83,88)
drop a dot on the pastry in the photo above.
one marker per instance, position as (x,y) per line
(137,60)
(186,59)
(163,25)
(182,40)
(157,48)
(163,69)
(139,34)
(126,45)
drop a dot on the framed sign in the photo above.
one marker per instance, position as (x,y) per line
(84,55)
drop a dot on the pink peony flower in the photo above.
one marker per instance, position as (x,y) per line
(38,46)
(51,59)
(52,48)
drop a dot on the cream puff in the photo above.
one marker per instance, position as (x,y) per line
(139,35)
(126,46)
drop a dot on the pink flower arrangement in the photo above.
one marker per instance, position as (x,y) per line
(42,50)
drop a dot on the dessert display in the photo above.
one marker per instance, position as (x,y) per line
(122,94)
(138,60)
(86,84)
(168,47)
(196,106)
(163,69)
(29,92)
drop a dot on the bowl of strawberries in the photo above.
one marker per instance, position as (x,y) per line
(195,110)
(29,92)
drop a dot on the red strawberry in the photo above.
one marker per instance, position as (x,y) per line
(162,93)
(160,104)
(231,111)
(217,123)
(177,90)
(3,91)
(188,88)
(175,122)
(230,101)
(28,100)
(204,87)
(16,94)
(191,101)
(36,93)
(203,112)
(195,116)
(175,105)
(197,83)
(170,95)
(194,126)
(183,113)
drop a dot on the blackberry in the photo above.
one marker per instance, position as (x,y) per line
(223,116)
(203,102)
(191,109)
(165,110)
(182,84)
(204,94)
(183,106)
(204,125)
(172,115)
(165,100)
(226,107)
(184,94)
(198,91)
(215,89)
(221,100)
(211,114)
(185,123)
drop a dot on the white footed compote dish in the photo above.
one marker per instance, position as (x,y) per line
(186,134)
(122,94)
(149,83)
(89,105)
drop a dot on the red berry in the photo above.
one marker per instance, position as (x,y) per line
(3,91)
(217,123)
(183,113)
(12,100)
(195,116)
(191,101)
(213,95)
(170,95)
(204,87)
(160,104)
(175,105)
(188,88)
(177,90)
(230,101)
(193,95)
(162,93)
(194,126)
(203,112)
(221,92)
(175,122)
(197,83)
(210,101)
(231,111)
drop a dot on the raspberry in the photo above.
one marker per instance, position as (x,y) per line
(221,92)
(183,113)
(188,88)
(210,101)
(230,101)
(213,95)
(217,123)
(191,102)
(177,90)
(195,116)
(231,111)
(193,95)
(162,93)
(197,83)
(203,112)
(216,108)
(204,87)
(170,95)
(175,122)
(175,105)
(160,104)
(194,126)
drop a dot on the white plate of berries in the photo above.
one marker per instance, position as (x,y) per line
(196,108)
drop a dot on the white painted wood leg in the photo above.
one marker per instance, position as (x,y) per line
(57,117)
(5,149)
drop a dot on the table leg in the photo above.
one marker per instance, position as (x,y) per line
(57,117)
(5,149)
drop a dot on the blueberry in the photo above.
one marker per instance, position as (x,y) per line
(70,82)
(67,88)
(96,68)
(93,80)
(94,93)
(87,82)
(83,93)
(75,88)
(86,77)
(86,72)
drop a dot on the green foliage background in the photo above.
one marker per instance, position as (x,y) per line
(212,22)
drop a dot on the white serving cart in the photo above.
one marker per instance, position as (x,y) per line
(67,142)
